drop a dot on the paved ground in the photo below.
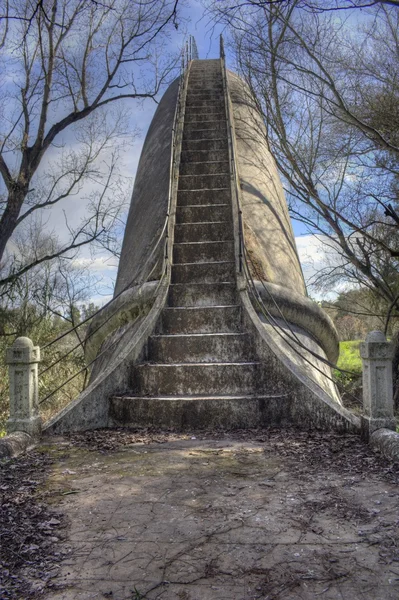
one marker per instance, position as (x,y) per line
(272,515)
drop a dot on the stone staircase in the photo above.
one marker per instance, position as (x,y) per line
(201,364)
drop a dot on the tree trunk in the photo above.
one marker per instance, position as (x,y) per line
(9,218)
(395,368)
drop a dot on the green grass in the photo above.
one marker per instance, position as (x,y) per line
(349,357)
(350,384)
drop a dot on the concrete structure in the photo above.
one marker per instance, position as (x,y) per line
(22,359)
(378,404)
(186,343)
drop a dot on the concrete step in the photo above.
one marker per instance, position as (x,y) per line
(202,294)
(199,95)
(213,87)
(192,156)
(198,252)
(201,213)
(189,379)
(216,104)
(205,101)
(201,182)
(194,116)
(200,347)
(196,113)
(203,134)
(215,196)
(204,168)
(204,77)
(219,231)
(199,125)
(201,319)
(202,412)
(203,272)
(206,145)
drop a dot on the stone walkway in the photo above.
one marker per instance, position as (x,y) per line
(273,517)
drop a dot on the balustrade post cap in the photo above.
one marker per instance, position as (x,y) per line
(376,347)
(23,342)
(22,351)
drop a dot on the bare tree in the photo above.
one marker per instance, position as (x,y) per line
(319,86)
(66,64)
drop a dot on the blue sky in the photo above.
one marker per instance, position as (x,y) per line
(193,21)
(207,36)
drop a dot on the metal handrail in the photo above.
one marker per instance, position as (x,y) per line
(189,53)
(243,266)
(232,156)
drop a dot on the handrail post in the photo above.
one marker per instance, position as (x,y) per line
(221,47)
(378,406)
(23,359)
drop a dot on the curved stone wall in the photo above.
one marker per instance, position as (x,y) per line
(267,226)
(149,202)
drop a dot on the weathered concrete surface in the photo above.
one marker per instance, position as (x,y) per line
(301,311)
(149,203)
(90,409)
(268,230)
(293,369)
(386,441)
(204,253)
(280,516)
(133,303)
(15,443)
(378,404)
(22,359)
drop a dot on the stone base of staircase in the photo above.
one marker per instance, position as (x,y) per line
(202,412)
(205,363)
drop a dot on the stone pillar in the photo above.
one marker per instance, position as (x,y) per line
(376,355)
(22,359)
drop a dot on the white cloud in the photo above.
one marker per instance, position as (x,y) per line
(312,252)
(317,252)
(97,264)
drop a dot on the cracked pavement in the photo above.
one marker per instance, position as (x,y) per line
(234,519)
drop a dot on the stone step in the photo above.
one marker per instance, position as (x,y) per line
(216,104)
(205,145)
(204,168)
(203,134)
(205,94)
(198,252)
(202,412)
(201,182)
(205,101)
(211,72)
(208,65)
(215,196)
(194,116)
(187,379)
(202,294)
(206,78)
(219,231)
(201,124)
(194,156)
(201,347)
(202,213)
(203,272)
(208,113)
(207,86)
(201,319)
